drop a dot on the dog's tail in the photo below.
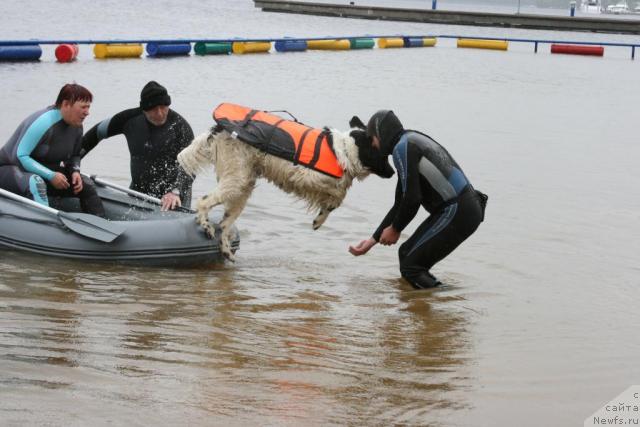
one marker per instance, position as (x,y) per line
(198,155)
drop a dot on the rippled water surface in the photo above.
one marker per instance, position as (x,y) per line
(537,324)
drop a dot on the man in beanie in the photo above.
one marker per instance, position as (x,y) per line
(427,176)
(155,135)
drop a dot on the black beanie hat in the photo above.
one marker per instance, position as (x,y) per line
(386,126)
(152,95)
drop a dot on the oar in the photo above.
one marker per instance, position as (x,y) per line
(134,193)
(84,224)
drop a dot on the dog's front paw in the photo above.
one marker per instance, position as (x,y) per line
(320,219)
(209,231)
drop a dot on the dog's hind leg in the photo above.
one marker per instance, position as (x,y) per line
(322,216)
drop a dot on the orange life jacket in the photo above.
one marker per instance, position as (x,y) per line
(286,139)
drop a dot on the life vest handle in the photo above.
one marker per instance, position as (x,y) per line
(284,111)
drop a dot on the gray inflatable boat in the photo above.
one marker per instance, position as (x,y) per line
(135,231)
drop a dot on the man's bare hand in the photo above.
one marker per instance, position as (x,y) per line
(170,201)
(362,247)
(389,236)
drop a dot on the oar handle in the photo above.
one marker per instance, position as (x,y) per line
(133,193)
(17,198)
(129,191)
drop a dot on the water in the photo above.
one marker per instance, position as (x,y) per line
(537,324)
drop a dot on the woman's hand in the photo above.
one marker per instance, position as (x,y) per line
(60,181)
(76,181)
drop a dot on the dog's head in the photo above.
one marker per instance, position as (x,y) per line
(370,157)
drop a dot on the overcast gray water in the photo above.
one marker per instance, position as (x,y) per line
(537,324)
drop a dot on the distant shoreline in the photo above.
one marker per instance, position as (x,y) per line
(448,17)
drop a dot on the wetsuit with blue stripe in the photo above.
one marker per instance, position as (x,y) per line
(428,176)
(42,145)
(153,149)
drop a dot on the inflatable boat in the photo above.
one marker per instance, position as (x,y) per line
(135,230)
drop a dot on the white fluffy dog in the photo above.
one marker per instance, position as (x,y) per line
(238,165)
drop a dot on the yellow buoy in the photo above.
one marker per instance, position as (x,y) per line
(429,41)
(117,50)
(483,44)
(250,47)
(342,44)
(386,43)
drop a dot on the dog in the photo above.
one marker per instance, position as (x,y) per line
(238,165)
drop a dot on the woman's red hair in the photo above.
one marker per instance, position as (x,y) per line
(73,92)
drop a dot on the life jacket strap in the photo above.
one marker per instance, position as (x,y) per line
(327,132)
(247,118)
(296,157)
(316,149)
(269,139)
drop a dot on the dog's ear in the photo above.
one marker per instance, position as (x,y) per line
(355,122)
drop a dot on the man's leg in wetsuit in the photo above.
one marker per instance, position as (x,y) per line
(436,238)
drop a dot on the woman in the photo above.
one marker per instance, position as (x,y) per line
(42,157)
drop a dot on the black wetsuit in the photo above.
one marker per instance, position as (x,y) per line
(429,176)
(153,149)
(42,145)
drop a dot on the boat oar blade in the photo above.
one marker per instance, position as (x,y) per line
(91,226)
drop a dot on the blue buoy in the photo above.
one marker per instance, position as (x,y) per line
(20,53)
(168,49)
(413,41)
(291,45)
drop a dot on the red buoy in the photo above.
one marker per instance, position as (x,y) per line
(573,49)
(66,52)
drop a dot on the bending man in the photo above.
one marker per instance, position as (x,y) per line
(42,157)
(155,135)
(427,176)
